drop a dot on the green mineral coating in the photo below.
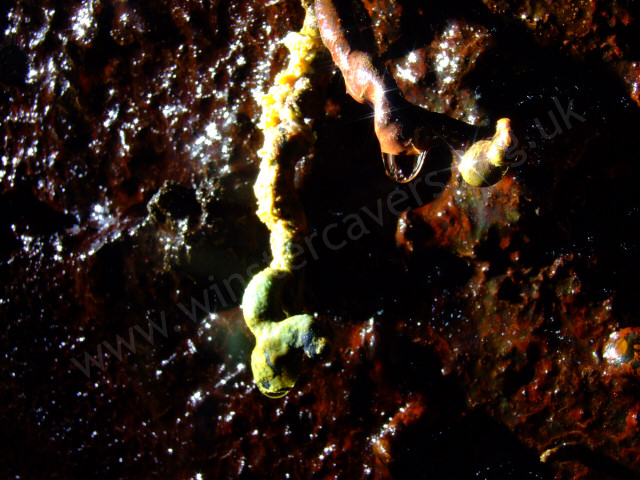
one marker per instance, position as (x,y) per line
(280,339)
(262,300)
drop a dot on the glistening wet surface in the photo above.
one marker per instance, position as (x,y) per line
(480,331)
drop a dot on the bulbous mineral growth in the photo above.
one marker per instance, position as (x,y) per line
(281,338)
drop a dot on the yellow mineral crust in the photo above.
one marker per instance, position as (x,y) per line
(281,338)
(281,122)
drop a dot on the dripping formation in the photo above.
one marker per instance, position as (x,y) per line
(403,128)
(272,301)
(275,293)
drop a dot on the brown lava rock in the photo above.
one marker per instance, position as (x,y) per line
(471,335)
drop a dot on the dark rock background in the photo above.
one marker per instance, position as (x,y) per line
(471,334)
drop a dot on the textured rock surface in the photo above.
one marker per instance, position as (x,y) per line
(472,335)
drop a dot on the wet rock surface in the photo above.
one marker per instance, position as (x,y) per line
(476,333)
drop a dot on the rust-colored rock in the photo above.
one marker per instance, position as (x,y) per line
(482,324)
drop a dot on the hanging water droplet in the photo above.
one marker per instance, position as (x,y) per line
(396,165)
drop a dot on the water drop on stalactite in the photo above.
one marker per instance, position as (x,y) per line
(396,165)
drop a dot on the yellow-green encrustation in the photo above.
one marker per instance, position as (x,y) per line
(273,295)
